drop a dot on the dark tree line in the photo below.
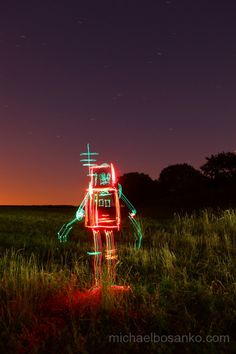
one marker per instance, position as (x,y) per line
(182,187)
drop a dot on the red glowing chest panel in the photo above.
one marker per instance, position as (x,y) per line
(103,208)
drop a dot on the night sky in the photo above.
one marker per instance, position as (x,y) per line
(146,83)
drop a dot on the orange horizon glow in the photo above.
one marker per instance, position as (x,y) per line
(40,197)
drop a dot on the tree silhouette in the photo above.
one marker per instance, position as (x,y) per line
(138,187)
(180,177)
(221,166)
(181,187)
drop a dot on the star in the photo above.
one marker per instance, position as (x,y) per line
(81,20)
(117,96)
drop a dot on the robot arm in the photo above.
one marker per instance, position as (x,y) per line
(80,211)
(135,223)
(65,229)
(138,233)
(130,206)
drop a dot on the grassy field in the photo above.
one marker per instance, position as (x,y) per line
(182,283)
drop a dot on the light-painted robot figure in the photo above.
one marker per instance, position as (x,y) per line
(101,210)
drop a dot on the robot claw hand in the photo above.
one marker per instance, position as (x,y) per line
(63,232)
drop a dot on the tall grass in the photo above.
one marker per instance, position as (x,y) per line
(182,280)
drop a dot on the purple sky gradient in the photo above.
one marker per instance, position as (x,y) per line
(146,83)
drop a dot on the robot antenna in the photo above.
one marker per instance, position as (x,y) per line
(88,161)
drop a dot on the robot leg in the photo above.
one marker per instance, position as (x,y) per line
(97,261)
(110,256)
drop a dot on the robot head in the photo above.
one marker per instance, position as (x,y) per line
(103,176)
